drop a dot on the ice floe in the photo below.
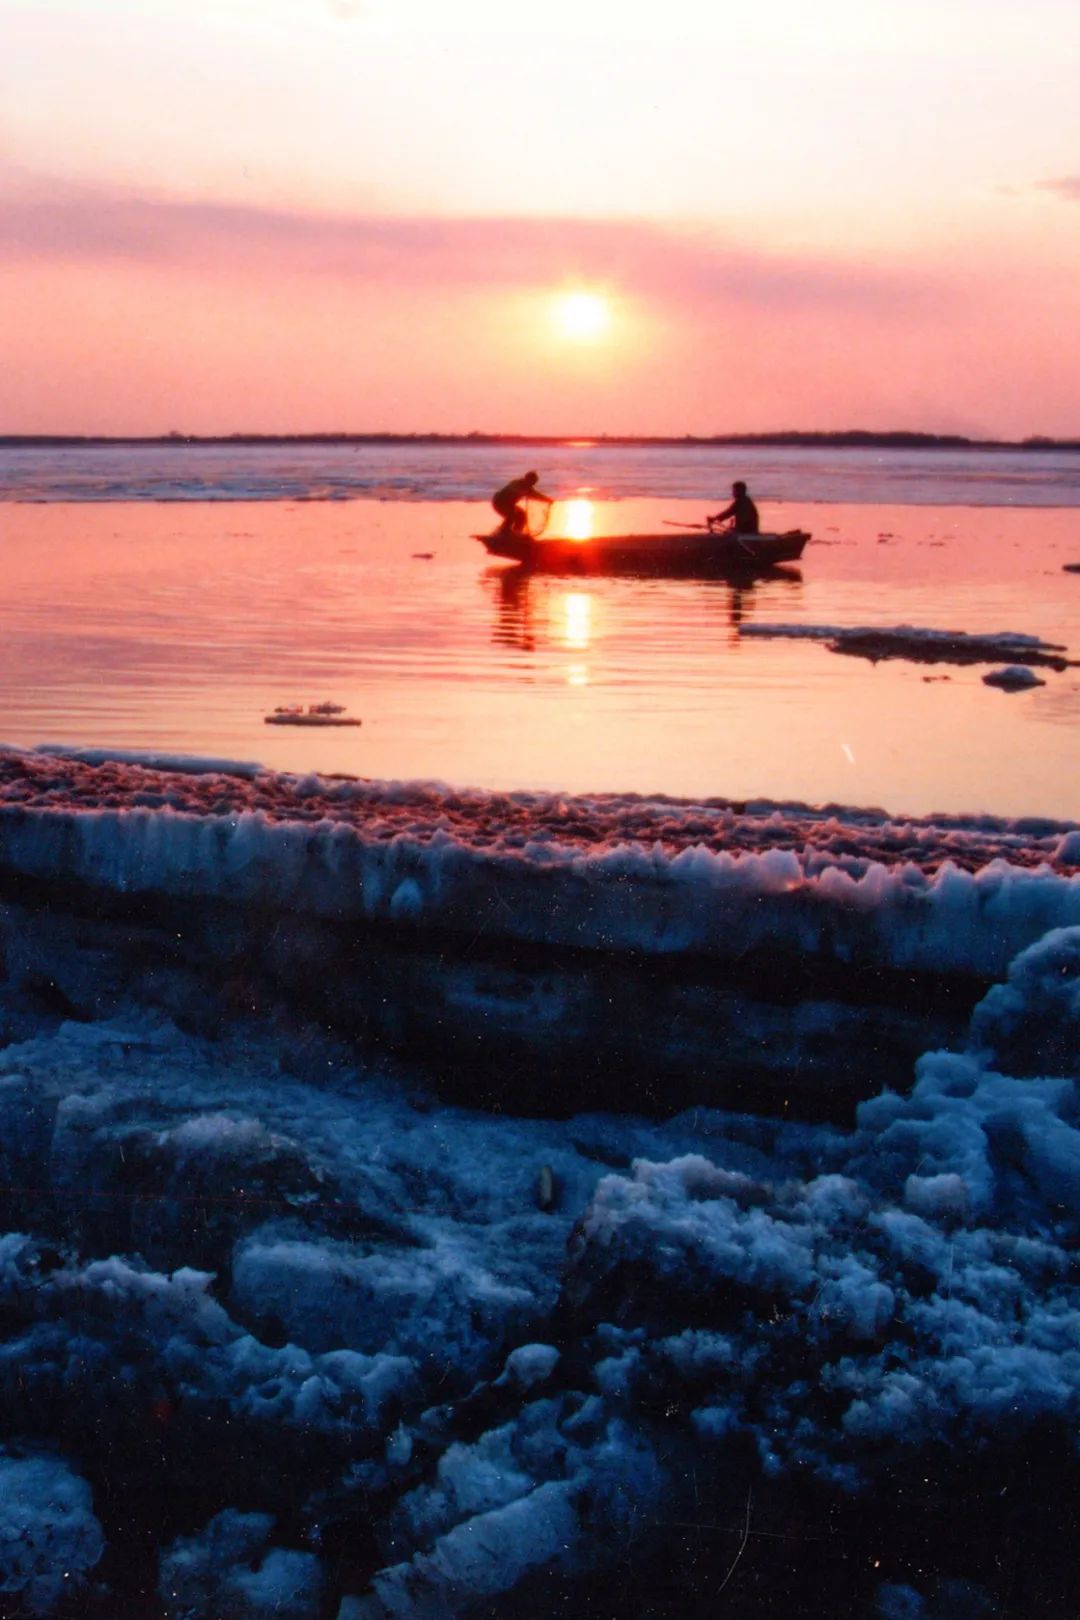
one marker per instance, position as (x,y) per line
(920,644)
(1013,678)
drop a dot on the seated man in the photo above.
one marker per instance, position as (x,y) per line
(742,512)
(510,501)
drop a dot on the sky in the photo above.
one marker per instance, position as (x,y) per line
(321,215)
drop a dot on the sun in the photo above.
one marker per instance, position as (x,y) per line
(581,315)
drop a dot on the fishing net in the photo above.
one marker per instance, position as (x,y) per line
(536,517)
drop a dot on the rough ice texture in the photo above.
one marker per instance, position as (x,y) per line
(263,1273)
(1031,1023)
(285,1334)
(614,873)
(231,1570)
(49,1537)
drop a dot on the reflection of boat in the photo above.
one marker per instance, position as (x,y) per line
(537,609)
(681,551)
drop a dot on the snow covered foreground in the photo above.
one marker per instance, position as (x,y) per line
(285,1336)
(600,872)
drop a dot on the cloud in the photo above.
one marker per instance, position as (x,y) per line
(71,222)
(1068,187)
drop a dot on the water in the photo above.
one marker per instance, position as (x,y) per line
(179,624)
(166,472)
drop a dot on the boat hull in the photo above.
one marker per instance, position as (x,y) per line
(681,551)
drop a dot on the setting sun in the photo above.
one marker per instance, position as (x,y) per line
(581,315)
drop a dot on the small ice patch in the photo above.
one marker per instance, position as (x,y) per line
(1013,678)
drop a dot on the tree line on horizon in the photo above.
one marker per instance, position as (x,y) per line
(850,438)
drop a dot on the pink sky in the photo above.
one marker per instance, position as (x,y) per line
(319,214)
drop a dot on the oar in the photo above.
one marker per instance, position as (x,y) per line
(672,524)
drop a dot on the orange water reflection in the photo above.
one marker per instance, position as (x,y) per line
(180,627)
(533,612)
(578,519)
(577,610)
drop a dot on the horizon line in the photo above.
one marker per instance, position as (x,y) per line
(902,438)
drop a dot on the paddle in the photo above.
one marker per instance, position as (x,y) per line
(672,524)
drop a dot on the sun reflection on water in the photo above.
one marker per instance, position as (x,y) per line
(577,620)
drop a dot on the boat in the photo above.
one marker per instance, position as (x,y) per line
(680,551)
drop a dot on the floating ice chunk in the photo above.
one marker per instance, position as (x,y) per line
(919,643)
(1013,678)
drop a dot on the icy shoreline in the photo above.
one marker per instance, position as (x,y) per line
(731,955)
(615,873)
(288,1336)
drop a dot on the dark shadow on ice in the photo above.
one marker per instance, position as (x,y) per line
(517,1027)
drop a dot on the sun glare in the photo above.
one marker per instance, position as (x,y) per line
(581,315)
(579,519)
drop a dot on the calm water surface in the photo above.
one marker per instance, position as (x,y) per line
(464,471)
(181,626)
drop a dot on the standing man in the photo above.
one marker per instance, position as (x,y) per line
(510,501)
(742,512)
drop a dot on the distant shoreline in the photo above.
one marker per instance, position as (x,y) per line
(854,439)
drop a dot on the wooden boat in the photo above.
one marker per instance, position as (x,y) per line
(680,551)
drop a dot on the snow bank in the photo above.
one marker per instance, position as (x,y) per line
(188,764)
(940,895)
